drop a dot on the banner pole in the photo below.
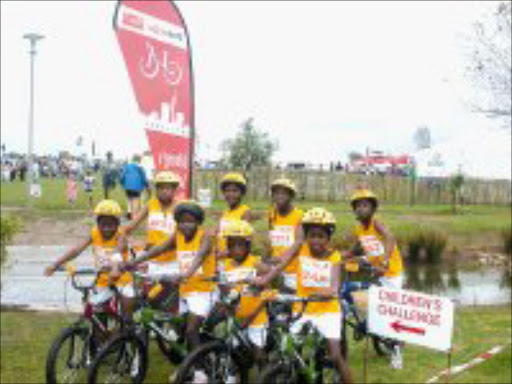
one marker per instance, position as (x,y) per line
(449,358)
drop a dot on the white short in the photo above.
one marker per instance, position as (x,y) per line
(392,282)
(257,335)
(161,268)
(103,294)
(328,324)
(198,303)
(290,280)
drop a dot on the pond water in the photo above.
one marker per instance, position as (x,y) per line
(24,284)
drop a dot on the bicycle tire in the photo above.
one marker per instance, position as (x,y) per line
(200,359)
(72,335)
(117,357)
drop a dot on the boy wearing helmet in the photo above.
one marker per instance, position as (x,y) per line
(233,187)
(318,274)
(160,222)
(240,266)
(379,246)
(285,228)
(196,262)
(109,248)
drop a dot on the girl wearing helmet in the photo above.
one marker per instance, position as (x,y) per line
(285,228)
(109,248)
(241,265)
(318,274)
(380,248)
(161,225)
(233,187)
(195,260)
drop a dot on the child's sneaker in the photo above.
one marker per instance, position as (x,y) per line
(396,358)
(200,377)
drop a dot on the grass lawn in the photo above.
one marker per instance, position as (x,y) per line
(26,337)
(474,225)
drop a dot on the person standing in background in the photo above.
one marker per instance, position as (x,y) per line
(134,181)
(109,175)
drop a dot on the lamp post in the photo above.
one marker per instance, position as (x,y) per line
(33,38)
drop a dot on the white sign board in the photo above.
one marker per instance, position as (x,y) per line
(205,197)
(35,190)
(412,317)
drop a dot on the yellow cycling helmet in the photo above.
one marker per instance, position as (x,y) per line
(167,177)
(364,194)
(234,178)
(319,217)
(238,228)
(108,208)
(284,183)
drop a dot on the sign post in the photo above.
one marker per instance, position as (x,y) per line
(412,317)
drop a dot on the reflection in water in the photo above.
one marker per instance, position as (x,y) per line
(429,278)
(506,277)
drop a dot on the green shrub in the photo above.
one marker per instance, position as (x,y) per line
(426,246)
(8,227)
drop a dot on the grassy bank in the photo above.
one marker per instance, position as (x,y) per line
(24,345)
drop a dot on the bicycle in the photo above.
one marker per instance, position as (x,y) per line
(353,316)
(302,358)
(77,344)
(125,356)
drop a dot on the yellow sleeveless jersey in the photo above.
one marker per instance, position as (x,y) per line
(314,275)
(186,253)
(227,216)
(160,227)
(102,251)
(249,301)
(282,233)
(373,245)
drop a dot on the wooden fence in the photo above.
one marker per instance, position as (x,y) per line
(331,186)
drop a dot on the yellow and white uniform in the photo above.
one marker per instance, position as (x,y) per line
(105,252)
(160,227)
(196,295)
(373,245)
(314,275)
(282,235)
(227,216)
(249,300)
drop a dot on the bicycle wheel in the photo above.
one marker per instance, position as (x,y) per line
(211,363)
(383,346)
(68,357)
(282,372)
(122,360)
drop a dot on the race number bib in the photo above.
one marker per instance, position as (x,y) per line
(239,274)
(372,246)
(102,256)
(282,236)
(158,269)
(185,259)
(315,273)
(157,221)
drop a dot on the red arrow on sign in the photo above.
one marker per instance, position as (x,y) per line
(400,327)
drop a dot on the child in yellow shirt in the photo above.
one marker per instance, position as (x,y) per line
(196,262)
(109,248)
(318,274)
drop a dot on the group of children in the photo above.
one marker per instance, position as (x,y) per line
(300,253)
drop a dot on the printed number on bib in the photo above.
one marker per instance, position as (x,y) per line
(240,274)
(282,236)
(372,246)
(162,223)
(315,274)
(186,258)
(102,256)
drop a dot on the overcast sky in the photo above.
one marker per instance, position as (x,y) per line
(322,78)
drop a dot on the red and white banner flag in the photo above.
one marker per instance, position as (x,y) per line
(154,40)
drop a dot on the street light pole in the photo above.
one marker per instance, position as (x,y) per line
(33,38)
